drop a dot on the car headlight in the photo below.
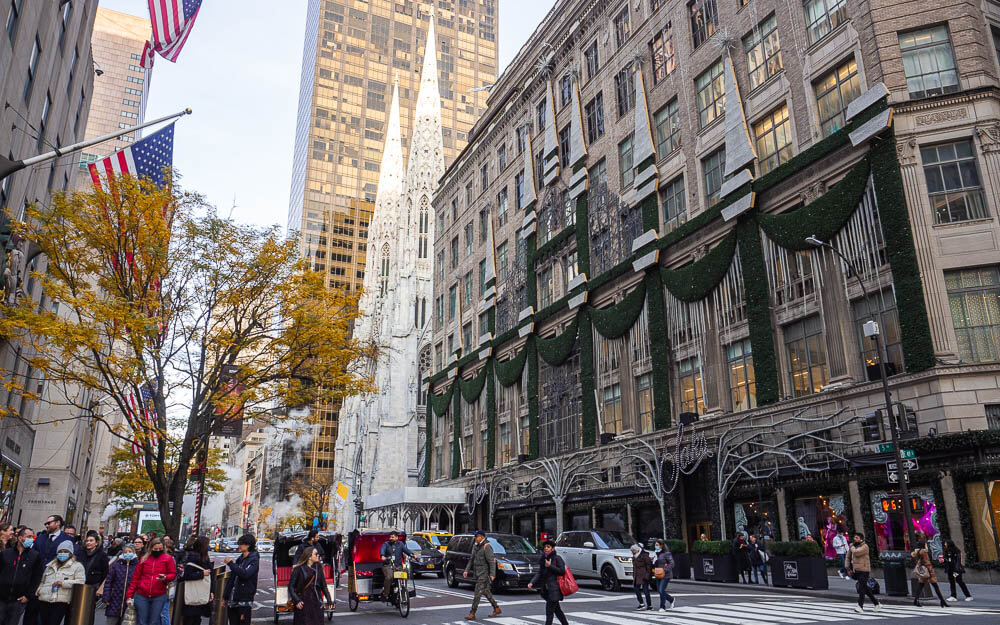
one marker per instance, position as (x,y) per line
(505,566)
(625,559)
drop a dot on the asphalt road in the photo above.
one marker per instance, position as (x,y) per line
(436,604)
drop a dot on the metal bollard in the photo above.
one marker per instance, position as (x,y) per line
(176,614)
(82,605)
(219,577)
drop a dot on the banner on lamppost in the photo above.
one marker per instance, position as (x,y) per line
(229,418)
(341,492)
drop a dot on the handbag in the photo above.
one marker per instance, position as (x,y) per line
(128,618)
(921,572)
(874,586)
(567,583)
(659,572)
(197,591)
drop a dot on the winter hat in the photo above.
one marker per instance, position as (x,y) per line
(636,548)
(66,545)
(480,533)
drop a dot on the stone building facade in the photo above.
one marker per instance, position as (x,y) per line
(652,171)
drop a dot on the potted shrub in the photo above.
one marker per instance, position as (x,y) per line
(682,559)
(713,561)
(797,564)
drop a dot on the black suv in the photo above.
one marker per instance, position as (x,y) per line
(517,560)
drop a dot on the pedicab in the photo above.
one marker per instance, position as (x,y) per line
(365,579)
(283,559)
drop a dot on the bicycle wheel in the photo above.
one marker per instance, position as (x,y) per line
(404,599)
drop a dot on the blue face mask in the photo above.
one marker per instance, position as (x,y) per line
(128,556)
(62,556)
(28,543)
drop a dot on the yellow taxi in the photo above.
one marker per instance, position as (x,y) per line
(438,539)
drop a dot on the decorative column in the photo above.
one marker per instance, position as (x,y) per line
(782,514)
(852,488)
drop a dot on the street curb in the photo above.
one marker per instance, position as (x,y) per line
(828,594)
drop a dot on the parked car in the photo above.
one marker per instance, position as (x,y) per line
(426,557)
(517,560)
(230,545)
(598,554)
(216,544)
(265,545)
(438,539)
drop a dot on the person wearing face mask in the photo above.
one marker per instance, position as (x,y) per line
(119,577)
(56,589)
(859,568)
(20,574)
(148,589)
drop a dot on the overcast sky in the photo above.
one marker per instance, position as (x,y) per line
(239,72)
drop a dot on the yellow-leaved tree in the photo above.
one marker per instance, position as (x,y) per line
(167,310)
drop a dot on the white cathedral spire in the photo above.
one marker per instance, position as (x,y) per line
(390,177)
(426,145)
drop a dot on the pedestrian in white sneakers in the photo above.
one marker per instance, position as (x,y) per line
(859,567)
(663,570)
(954,567)
(840,546)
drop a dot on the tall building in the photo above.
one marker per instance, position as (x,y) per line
(378,443)
(353,51)
(46,83)
(122,89)
(656,169)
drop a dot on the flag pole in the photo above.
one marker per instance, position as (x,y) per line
(8,167)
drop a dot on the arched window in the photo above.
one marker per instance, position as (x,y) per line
(384,277)
(424,219)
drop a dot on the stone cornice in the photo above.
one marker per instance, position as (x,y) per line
(927,104)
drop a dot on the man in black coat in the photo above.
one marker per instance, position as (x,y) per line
(312,540)
(20,573)
(550,568)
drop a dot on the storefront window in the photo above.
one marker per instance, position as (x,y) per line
(8,488)
(613,520)
(890,531)
(579,521)
(823,518)
(755,517)
(984,516)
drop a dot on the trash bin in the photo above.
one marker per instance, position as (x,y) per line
(894,570)
(82,605)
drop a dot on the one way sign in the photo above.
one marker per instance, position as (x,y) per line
(909,464)
(894,476)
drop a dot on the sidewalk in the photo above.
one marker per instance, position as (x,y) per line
(986,595)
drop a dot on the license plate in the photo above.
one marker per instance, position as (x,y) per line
(399,575)
(431,566)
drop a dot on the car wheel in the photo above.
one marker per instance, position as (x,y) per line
(609,579)
(452,580)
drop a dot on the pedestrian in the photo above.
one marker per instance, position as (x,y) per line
(954,567)
(56,589)
(148,589)
(93,558)
(840,546)
(758,559)
(197,566)
(742,554)
(642,573)
(859,568)
(663,570)
(7,538)
(550,568)
(392,553)
(178,558)
(241,586)
(139,543)
(115,548)
(924,571)
(483,566)
(116,583)
(312,540)
(70,530)
(20,574)
(338,545)
(47,541)
(307,588)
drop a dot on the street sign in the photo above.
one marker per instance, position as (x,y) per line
(894,476)
(886,448)
(908,465)
(907,453)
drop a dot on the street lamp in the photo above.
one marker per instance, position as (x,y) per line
(871,329)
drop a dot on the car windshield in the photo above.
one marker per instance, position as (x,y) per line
(614,540)
(419,542)
(511,544)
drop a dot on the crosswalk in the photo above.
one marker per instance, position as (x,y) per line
(767,612)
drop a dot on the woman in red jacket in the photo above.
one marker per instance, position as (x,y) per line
(149,583)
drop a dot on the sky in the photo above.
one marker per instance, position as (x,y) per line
(239,73)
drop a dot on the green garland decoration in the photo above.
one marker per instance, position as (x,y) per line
(588,417)
(615,321)
(440,402)
(755,290)
(509,371)
(659,351)
(557,349)
(918,347)
(428,442)
(532,392)
(456,424)
(824,217)
(694,282)
(474,387)
(491,420)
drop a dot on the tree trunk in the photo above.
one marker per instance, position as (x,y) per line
(558,501)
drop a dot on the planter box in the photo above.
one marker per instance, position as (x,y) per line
(712,568)
(682,566)
(799,572)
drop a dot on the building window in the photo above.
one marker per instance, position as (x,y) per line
(713,167)
(540,114)
(741,378)
(993,416)
(519,188)
(452,305)
(954,187)
(565,90)
(564,151)
(763,52)
(674,210)
(625,90)
(611,417)
(502,206)
(593,60)
(598,175)
(484,177)
(928,62)
(439,314)
(470,234)
(545,287)
(625,162)
(704,20)
(468,289)
(822,16)
(484,225)
(440,265)
(995,35)
(522,138)
(424,225)
(13,18)
(644,402)
(29,81)
(883,304)
(595,117)
(806,350)
(502,261)
(502,157)
(774,139)
(622,27)
(46,107)
(505,450)
(72,74)
(711,88)
(974,298)
(661,51)
(689,381)
(482,277)
(454,252)
(384,275)
(668,128)
(540,169)
(833,93)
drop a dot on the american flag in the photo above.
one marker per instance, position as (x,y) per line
(143,411)
(144,158)
(172,21)
(147,56)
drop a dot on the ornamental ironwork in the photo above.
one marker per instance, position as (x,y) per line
(556,213)
(561,398)
(613,226)
(512,298)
